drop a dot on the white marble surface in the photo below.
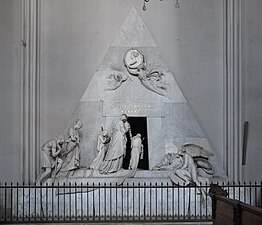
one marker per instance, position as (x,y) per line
(132,202)
(114,59)
(155,140)
(130,90)
(141,109)
(180,122)
(133,32)
(131,198)
(90,113)
(171,120)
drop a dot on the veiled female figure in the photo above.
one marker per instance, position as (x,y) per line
(117,147)
(102,144)
(72,154)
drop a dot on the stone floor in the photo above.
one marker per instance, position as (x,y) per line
(157,223)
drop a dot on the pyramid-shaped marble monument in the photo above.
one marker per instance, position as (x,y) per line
(133,79)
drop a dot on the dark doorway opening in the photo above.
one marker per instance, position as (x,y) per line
(138,125)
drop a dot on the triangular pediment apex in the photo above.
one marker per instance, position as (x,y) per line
(133,32)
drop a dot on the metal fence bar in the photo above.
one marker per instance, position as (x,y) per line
(11,200)
(145,199)
(150,201)
(116,203)
(110,201)
(93,199)
(234,193)
(5,199)
(99,200)
(195,198)
(87,202)
(64,198)
(23,214)
(200,203)
(173,203)
(81,201)
(29,191)
(35,205)
(167,200)
(260,194)
(17,201)
(184,204)
(58,205)
(178,205)
(70,202)
(250,193)
(133,201)
(206,198)
(139,198)
(52,195)
(127,202)
(107,202)
(239,190)
(75,202)
(244,191)
(122,201)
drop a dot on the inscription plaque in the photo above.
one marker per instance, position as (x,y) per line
(145,109)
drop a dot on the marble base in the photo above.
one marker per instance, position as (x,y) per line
(145,193)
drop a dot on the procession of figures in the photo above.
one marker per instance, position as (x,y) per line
(62,155)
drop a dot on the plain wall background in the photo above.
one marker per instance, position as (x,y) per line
(253,88)
(75,37)
(10,96)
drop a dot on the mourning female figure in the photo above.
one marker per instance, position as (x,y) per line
(102,144)
(117,147)
(72,153)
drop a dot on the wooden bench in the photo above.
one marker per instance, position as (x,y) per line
(226,211)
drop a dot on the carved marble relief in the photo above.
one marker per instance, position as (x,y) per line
(134,61)
(134,81)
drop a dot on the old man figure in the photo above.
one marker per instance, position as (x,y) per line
(50,158)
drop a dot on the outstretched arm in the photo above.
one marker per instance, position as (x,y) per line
(128,128)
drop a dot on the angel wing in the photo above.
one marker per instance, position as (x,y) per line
(205,165)
(115,80)
(115,68)
(197,151)
(200,156)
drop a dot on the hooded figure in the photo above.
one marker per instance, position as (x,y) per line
(117,147)
(102,145)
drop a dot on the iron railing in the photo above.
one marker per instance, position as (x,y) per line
(103,202)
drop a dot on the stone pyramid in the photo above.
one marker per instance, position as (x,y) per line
(170,121)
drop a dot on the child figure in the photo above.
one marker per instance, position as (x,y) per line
(136,151)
